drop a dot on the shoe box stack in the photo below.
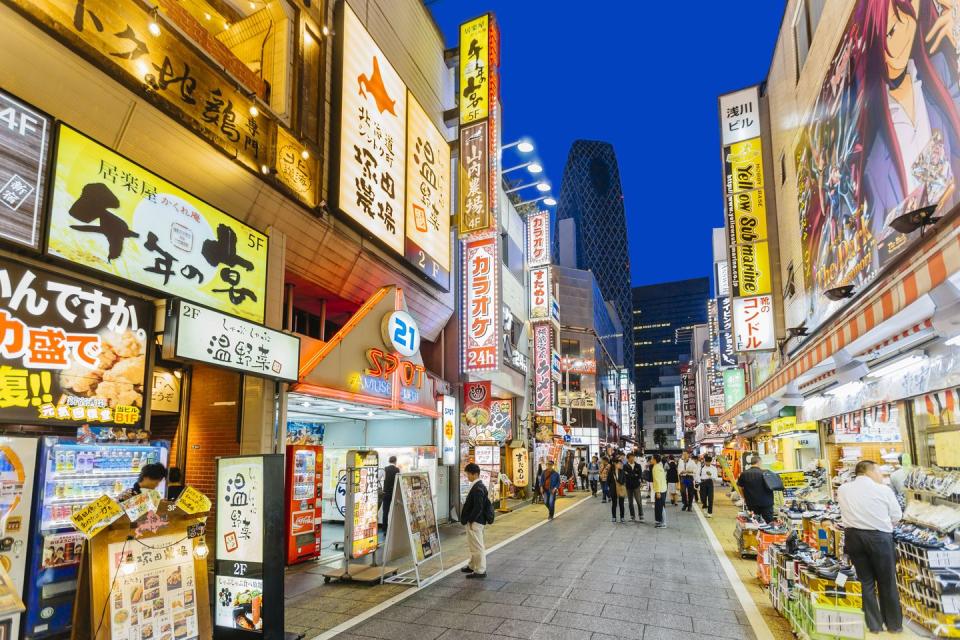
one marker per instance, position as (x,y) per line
(928,557)
(819,597)
(766,538)
(745,533)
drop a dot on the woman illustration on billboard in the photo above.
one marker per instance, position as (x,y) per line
(910,122)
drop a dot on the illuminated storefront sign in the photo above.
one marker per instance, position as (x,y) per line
(25,135)
(543,379)
(296,168)
(479,68)
(427,243)
(540,293)
(480,322)
(450,426)
(112,215)
(538,239)
(578,365)
(70,353)
(734,387)
(750,272)
(475,205)
(727,353)
(373,154)
(753,323)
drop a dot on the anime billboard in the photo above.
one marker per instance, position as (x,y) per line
(881,141)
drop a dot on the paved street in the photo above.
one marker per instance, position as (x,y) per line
(579,577)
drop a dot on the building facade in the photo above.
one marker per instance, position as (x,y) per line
(663,316)
(591,196)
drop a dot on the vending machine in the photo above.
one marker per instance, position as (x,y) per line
(18,464)
(303,488)
(70,475)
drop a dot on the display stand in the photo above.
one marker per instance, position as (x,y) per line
(128,584)
(413,530)
(360,521)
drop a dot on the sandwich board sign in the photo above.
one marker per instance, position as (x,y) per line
(413,530)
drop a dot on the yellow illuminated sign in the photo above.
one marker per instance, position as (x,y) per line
(475,69)
(753,265)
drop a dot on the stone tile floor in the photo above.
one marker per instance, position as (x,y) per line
(578,577)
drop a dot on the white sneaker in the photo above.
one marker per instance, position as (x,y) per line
(709,515)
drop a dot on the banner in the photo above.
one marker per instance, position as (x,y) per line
(734,387)
(538,239)
(727,352)
(476,412)
(25,134)
(479,68)
(753,324)
(70,353)
(540,293)
(427,244)
(521,467)
(542,377)
(480,321)
(112,215)
(474,175)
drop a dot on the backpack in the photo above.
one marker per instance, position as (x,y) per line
(772,480)
(488,513)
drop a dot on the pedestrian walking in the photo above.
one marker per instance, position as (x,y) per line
(633,478)
(707,478)
(605,468)
(659,475)
(549,486)
(618,490)
(870,510)
(687,471)
(757,496)
(582,473)
(536,484)
(593,473)
(476,513)
(673,480)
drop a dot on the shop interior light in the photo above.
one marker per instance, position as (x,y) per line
(543,187)
(341,409)
(154,26)
(845,389)
(201,550)
(128,566)
(325,30)
(254,112)
(305,154)
(370,414)
(305,404)
(902,364)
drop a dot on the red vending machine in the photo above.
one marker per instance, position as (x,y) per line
(304,508)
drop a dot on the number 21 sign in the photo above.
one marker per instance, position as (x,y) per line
(400,333)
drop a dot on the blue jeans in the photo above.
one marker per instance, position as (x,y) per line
(550,500)
(606,489)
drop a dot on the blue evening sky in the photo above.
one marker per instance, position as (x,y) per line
(644,75)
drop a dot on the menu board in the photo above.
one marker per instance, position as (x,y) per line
(239,603)
(421,519)
(362,506)
(158,600)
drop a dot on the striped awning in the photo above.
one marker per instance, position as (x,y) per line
(915,329)
(936,258)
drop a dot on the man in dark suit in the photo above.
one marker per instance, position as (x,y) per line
(633,474)
(389,480)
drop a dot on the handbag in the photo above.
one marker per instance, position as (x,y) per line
(621,490)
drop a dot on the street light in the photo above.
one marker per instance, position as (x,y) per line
(542,186)
(531,166)
(547,200)
(523,145)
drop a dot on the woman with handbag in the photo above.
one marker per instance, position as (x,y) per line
(605,477)
(618,490)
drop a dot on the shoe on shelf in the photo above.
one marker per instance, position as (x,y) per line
(466,570)
(479,576)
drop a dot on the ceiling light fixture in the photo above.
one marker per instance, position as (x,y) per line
(845,389)
(341,410)
(902,364)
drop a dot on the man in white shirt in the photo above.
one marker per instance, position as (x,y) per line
(687,469)
(706,477)
(870,511)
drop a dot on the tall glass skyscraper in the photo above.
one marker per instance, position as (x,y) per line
(663,318)
(591,197)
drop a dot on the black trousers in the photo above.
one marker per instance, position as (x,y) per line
(706,495)
(659,503)
(634,495)
(687,492)
(614,501)
(387,501)
(593,486)
(764,512)
(874,556)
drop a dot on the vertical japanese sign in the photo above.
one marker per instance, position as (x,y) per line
(753,323)
(112,215)
(727,353)
(70,353)
(479,62)
(480,321)
(373,116)
(240,517)
(427,243)
(521,466)
(624,401)
(296,168)
(540,293)
(24,146)
(734,387)
(475,204)
(450,427)
(361,528)
(476,412)
(538,239)
(746,219)
(542,377)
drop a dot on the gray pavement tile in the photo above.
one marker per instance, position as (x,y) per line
(440,603)
(563,604)
(530,588)
(401,613)
(394,630)
(694,611)
(467,621)
(712,600)
(503,597)
(599,598)
(607,636)
(460,634)
(534,631)
(661,633)
(655,592)
(514,612)
(594,624)
(705,627)
(629,614)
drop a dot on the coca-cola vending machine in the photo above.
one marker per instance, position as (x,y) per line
(304,509)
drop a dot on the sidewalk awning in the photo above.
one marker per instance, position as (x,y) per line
(935,259)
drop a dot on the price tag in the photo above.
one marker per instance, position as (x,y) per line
(841,580)
(192,501)
(140,504)
(96,516)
